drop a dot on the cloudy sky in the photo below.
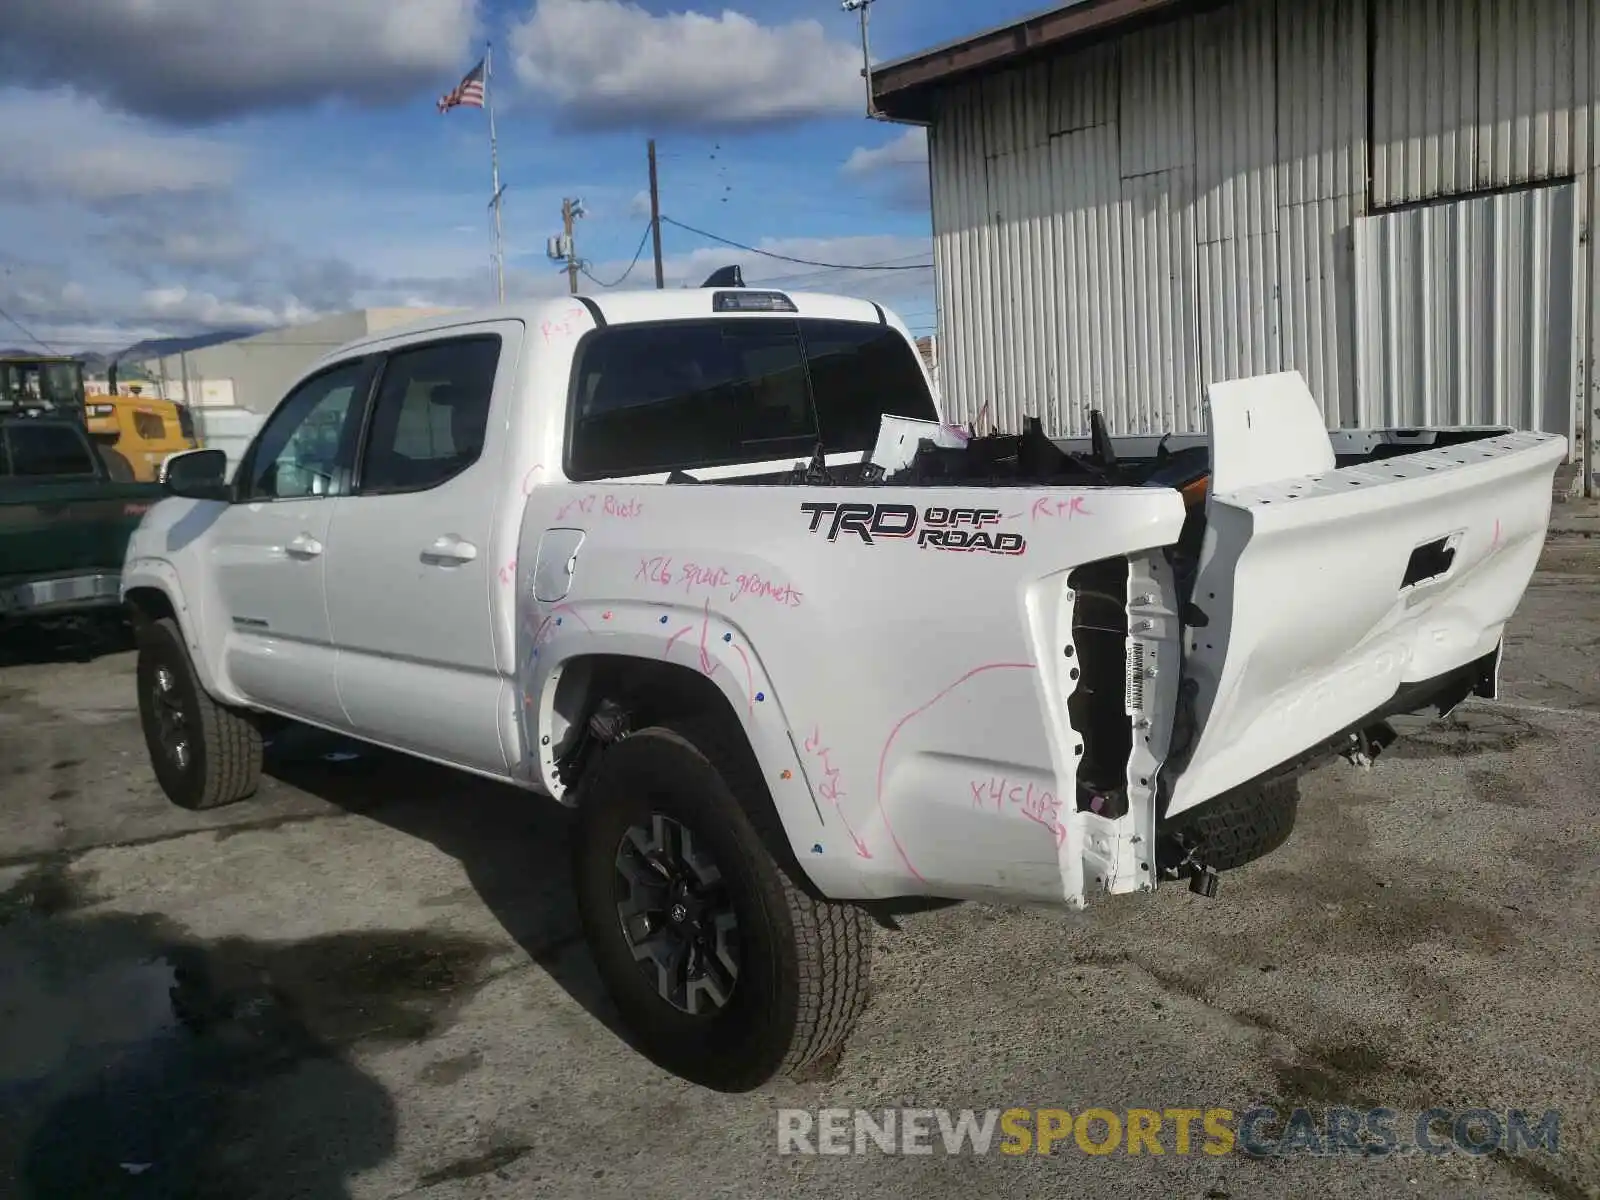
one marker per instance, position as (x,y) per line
(177,166)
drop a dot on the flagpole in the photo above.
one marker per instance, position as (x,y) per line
(494,166)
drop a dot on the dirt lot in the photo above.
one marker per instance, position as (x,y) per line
(368,981)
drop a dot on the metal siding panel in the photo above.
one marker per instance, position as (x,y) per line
(1093,372)
(1083,90)
(1239,310)
(1467,312)
(1586,121)
(1156,98)
(1321,99)
(1425,97)
(1525,79)
(959,165)
(1586,417)
(1316,302)
(1157,304)
(1235,125)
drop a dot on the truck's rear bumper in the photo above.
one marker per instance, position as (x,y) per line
(60,593)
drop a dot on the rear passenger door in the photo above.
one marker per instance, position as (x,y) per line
(412,562)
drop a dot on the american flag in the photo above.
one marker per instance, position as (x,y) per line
(469,91)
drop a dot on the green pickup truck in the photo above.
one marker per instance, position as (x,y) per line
(64,521)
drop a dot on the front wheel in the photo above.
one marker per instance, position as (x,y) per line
(725,972)
(204,754)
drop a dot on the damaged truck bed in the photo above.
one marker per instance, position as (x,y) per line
(576,545)
(1195,622)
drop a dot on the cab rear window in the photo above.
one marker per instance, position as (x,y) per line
(684,394)
(35,450)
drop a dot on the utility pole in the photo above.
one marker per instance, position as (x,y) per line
(861,7)
(572,249)
(562,248)
(655,216)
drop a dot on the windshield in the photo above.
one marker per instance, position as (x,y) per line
(41,384)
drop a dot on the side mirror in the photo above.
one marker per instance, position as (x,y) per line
(197,475)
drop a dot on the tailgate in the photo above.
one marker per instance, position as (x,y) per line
(1324,593)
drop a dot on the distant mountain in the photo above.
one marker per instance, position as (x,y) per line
(95,363)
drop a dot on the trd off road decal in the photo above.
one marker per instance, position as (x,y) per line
(937,528)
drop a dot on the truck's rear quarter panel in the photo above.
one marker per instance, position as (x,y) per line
(907,702)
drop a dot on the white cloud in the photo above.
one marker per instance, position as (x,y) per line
(611,64)
(57,146)
(908,151)
(639,206)
(196,61)
(181,306)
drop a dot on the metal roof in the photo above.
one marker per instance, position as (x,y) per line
(903,88)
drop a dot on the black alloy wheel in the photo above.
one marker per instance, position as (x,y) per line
(677,916)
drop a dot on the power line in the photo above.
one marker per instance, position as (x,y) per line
(798,278)
(637,254)
(35,337)
(805,262)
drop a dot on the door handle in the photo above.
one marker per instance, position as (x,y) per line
(450,549)
(304,546)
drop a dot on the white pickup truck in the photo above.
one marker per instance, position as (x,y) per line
(706,566)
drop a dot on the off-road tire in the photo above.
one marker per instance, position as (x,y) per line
(804,961)
(224,745)
(1241,826)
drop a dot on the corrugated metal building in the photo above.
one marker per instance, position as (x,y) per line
(1134,198)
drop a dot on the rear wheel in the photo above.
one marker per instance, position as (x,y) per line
(724,970)
(1237,827)
(204,754)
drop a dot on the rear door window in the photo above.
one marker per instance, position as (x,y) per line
(431,416)
(686,394)
(38,450)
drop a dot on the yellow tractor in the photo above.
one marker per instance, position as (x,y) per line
(135,434)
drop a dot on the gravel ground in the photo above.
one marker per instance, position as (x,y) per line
(382,964)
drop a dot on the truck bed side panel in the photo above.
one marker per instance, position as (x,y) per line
(910,748)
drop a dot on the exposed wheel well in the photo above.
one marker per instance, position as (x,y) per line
(655,693)
(651,692)
(147,604)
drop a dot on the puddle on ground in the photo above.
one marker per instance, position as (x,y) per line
(136,1061)
(46,889)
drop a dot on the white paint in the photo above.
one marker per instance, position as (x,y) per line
(908,707)
(1265,429)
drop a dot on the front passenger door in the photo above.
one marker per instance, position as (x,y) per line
(268,547)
